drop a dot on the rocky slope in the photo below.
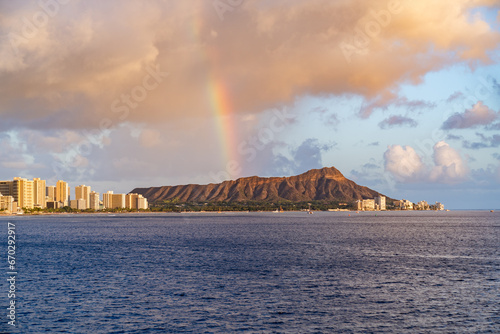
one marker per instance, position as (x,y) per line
(318,184)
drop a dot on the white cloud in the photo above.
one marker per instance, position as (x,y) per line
(406,165)
(449,165)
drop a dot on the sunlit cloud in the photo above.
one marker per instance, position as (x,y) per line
(479,114)
(71,71)
(404,163)
(407,166)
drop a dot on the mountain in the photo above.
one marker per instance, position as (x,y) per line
(326,184)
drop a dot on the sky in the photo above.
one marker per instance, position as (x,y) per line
(400,96)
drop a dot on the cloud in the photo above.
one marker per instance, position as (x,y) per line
(403,163)
(397,120)
(406,165)
(494,127)
(413,105)
(455,96)
(92,60)
(486,142)
(486,178)
(389,99)
(272,161)
(370,166)
(449,166)
(308,155)
(479,114)
(330,118)
(453,137)
(17,157)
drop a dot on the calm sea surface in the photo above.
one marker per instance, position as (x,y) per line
(392,272)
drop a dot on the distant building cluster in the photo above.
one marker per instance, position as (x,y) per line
(375,204)
(379,204)
(21,193)
(422,205)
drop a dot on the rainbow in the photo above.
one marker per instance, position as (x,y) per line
(222,110)
(219,100)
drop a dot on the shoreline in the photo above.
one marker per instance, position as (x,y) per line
(228,211)
(218,212)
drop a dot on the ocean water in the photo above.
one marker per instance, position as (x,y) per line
(392,272)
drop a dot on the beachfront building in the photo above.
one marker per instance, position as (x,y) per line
(51,193)
(78,204)
(439,206)
(39,193)
(83,192)
(20,189)
(366,205)
(380,203)
(54,205)
(403,205)
(94,201)
(7,190)
(62,192)
(23,193)
(7,204)
(113,201)
(136,202)
(24,189)
(422,205)
(142,203)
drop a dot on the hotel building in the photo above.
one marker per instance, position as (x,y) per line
(83,192)
(94,201)
(113,201)
(24,193)
(78,204)
(380,203)
(376,204)
(62,192)
(404,204)
(7,204)
(51,193)
(39,193)
(122,201)
(21,190)
(136,202)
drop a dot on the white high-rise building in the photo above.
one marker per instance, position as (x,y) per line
(380,203)
(94,201)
